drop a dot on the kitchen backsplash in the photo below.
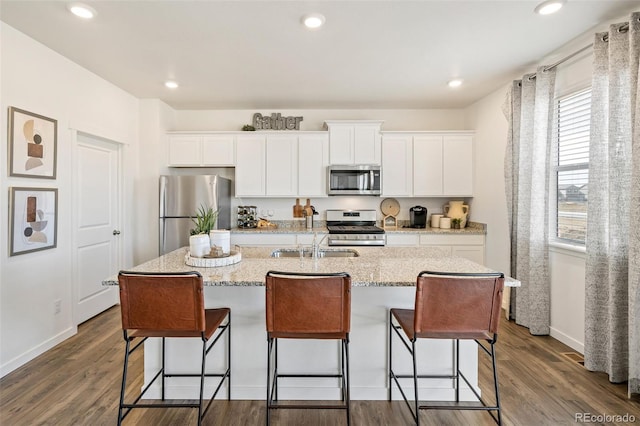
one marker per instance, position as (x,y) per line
(282,207)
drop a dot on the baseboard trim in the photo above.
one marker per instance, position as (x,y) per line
(567,340)
(36,351)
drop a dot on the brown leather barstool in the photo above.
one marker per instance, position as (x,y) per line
(307,306)
(170,305)
(450,306)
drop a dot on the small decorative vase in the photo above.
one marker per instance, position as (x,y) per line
(199,245)
(457,210)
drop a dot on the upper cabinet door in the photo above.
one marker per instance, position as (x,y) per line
(397,165)
(313,159)
(458,165)
(190,150)
(282,165)
(427,166)
(341,144)
(354,141)
(218,150)
(367,144)
(250,165)
(184,150)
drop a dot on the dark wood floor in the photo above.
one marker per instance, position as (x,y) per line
(77,383)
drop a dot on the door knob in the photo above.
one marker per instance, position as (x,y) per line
(116,232)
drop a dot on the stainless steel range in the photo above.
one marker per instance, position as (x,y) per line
(354,228)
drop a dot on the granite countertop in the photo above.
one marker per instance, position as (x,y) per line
(376,266)
(297,227)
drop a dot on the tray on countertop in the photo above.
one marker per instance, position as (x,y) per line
(213,262)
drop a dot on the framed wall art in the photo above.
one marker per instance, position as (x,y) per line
(34,219)
(33,141)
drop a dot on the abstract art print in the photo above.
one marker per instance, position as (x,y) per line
(32,144)
(34,219)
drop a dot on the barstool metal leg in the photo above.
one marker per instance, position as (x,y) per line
(163,366)
(348,384)
(204,362)
(124,380)
(269,346)
(457,369)
(495,382)
(415,380)
(229,357)
(390,357)
(275,370)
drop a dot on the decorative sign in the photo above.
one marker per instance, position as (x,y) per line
(276,122)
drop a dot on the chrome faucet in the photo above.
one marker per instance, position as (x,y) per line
(315,246)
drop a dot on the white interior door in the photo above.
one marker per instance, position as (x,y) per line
(97,199)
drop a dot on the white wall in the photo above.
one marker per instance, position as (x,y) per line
(489,203)
(156,118)
(399,119)
(36,79)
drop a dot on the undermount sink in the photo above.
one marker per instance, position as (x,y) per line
(294,252)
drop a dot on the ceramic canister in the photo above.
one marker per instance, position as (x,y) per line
(435,220)
(221,238)
(199,245)
(445,223)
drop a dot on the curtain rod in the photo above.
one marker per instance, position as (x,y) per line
(566,58)
(623,28)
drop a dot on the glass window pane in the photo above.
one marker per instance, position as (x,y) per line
(571,132)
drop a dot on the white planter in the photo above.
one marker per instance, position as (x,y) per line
(199,245)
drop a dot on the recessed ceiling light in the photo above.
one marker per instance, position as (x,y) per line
(82,10)
(455,83)
(313,20)
(171,84)
(549,6)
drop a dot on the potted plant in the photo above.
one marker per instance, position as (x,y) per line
(455,222)
(205,221)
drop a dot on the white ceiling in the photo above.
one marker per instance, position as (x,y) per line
(256,54)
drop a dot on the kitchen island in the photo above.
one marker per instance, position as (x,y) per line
(382,277)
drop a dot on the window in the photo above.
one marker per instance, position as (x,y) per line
(572,116)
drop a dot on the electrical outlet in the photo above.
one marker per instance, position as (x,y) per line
(57,306)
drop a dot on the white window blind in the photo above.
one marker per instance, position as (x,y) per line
(571,132)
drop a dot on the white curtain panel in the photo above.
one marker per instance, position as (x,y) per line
(527,186)
(612,299)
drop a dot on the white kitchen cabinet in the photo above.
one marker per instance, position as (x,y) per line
(196,150)
(262,239)
(354,141)
(184,150)
(219,150)
(313,159)
(457,165)
(441,164)
(282,165)
(275,240)
(468,246)
(402,240)
(397,166)
(427,166)
(250,165)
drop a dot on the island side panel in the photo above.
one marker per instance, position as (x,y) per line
(368,347)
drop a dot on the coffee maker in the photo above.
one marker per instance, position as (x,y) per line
(418,217)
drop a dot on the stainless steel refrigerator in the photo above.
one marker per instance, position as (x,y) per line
(180,198)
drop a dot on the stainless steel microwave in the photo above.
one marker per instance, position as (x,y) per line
(354,180)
